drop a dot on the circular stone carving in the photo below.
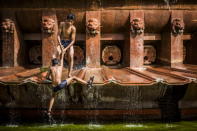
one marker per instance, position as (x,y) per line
(78,55)
(149,54)
(111,55)
(35,55)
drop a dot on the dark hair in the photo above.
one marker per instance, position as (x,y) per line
(70,17)
(54,61)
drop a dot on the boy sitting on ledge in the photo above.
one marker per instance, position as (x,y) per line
(55,73)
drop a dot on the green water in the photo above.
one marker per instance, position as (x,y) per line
(179,126)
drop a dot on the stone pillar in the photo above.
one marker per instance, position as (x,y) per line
(93,39)
(136,38)
(172,43)
(191,48)
(49,36)
(11,40)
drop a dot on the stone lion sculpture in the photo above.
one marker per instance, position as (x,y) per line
(48,25)
(92,27)
(8,26)
(137,26)
(177,27)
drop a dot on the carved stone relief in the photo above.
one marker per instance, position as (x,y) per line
(93,27)
(137,26)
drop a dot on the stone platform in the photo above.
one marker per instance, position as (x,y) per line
(158,92)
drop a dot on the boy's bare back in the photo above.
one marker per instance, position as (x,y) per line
(56,74)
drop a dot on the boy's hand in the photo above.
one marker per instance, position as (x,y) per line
(90,82)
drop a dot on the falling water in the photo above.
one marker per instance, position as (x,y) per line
(135,103)
(167,3)
(92,103)
(8,40)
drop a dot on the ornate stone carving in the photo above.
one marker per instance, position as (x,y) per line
(149,54)
(177,26)
(111,55)
(137,26)
(8,26)
(35,55)
(78,55)
(93,27)
(48,25)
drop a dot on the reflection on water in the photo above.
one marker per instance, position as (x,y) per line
(134,125)
(178,126)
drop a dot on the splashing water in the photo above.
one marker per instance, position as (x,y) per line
(134,125)
(168,3)
(92,126)
(11,125)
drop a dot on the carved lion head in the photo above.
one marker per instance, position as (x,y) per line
(177,26)
(93,26)
(48,25)
(137,26)
(8,26)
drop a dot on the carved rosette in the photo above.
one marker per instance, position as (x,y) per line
(93,27)
(177,26)
(111,55)
(35,55)
(48,25)
(78,55)
(149,54)
(137,26)
(8,26)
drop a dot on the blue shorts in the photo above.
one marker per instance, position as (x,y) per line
(65,43)
(62,85)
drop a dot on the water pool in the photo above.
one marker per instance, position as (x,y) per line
(177,126)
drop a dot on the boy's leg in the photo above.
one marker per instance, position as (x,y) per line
(69,80)
(51,102)
(90,81)
(71,60)
(79,80)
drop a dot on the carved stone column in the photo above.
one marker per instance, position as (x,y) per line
(49,36)
(172,43)
(93,39)
(136,39)
(11,40)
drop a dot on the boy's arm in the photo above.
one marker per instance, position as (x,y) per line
(58,36)
(59,42)
(48,76)
(62,59)
(79,80)
(73,36)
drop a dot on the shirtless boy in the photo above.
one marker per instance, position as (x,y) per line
(56,73)
(66,39)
